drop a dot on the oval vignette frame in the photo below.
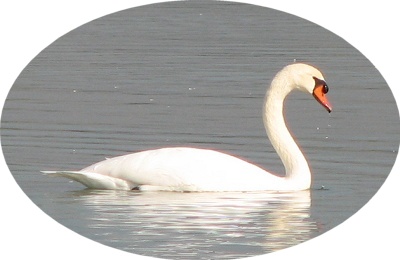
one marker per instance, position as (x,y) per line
(302,244)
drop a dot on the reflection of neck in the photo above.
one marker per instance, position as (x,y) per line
(296,166)
(290,221)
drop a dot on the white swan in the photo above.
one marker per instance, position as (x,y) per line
(191,169)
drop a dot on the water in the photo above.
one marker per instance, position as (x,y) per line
(195,74)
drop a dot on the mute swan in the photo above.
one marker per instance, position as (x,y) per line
(192,169)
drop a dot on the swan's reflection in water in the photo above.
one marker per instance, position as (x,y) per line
(198,225)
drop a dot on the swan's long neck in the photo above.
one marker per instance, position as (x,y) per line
(296,166)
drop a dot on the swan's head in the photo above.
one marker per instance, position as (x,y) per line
(310,80)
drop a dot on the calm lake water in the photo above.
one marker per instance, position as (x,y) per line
(195,74)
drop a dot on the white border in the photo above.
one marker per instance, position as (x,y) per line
(28,27)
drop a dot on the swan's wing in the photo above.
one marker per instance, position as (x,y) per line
(185,169)
(93,180)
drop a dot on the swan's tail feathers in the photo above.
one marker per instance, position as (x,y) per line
(93,180)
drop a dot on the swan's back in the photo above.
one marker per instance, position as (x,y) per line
(184,169)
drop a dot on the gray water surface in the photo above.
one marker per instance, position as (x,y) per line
(195,74)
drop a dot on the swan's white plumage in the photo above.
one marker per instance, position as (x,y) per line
(192,169)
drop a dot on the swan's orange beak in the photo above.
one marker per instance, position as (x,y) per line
(319,94)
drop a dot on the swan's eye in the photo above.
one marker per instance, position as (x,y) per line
(325,89)
(320,82)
